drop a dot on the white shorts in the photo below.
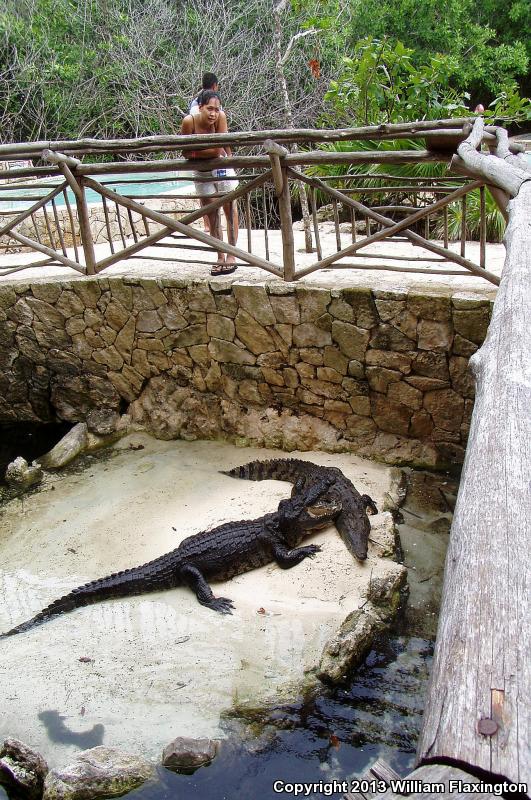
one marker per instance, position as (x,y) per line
(214,186)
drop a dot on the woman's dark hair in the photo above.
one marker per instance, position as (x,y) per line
(206,96)
(209,80)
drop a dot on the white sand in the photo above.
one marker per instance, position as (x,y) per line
(161,665)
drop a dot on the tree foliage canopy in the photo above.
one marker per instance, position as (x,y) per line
(112,68)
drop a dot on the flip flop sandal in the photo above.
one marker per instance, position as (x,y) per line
(223,269)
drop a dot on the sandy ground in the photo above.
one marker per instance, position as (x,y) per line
(138,672)
(181,264)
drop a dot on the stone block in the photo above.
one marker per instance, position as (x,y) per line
(431,365)
(389,309)
(272,377)
(311,355)
(275,360)
(403,393)
(462,347)
(363,306)
(329,374)
(200,298)
(252,334)
(360,405)
(148,322)
(472,324)
(254,300)
(228,352)
(461,377)
(435,307)
(248,391)
(434,335)
(194,334)
(406,323)
(331,390)
(426,384)
(341,310)
(172,317)
(46,313)
(379,378)
(305,370)
(48,292)
(291,377)
(351,339)
(389,415)
(389,360)
(110,357)
(313,302)
(307,334)
(69,304)
(309,398)
(445,407)
(8,297)
(421,425)
(334,358)
(199,354)
(285,332)
(387,337)
(356,369)
(286,309)
(220,327)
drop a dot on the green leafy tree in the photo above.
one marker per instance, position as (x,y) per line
(380,83)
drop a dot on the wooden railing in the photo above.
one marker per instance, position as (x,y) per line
(65,237)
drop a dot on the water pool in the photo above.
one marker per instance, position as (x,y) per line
(136,184)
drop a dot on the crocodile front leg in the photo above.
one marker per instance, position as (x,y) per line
(369,504)
(195,580)
(287,558)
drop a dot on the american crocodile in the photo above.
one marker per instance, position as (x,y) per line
(216,555)
(352,522)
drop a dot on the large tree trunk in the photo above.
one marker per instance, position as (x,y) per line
(477,710)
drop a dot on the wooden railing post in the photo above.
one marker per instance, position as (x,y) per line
(66,164)
(280,177)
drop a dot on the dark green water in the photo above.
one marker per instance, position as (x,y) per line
(332,736)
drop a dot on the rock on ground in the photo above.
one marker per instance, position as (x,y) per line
(70,446)
(19,475)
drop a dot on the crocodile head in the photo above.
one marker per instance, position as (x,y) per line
(309,509)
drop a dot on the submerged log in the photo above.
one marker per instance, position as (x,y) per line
(477,710)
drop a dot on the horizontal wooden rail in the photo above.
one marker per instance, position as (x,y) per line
(276,162)
(299,135)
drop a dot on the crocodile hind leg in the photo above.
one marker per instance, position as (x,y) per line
(195,580)
(287,558)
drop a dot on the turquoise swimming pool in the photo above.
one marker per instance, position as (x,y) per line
(136,184)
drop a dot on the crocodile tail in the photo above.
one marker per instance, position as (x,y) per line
(280,469)
(127,583)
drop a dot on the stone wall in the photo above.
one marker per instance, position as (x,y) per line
(380,373)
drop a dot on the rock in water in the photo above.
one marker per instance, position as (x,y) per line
(99,772)
(22,769)
(189,754)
